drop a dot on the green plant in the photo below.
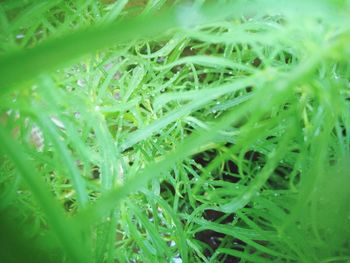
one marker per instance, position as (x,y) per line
(170,131)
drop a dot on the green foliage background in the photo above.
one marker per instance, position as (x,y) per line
(173,131)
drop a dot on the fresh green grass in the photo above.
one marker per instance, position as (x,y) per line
(173,131)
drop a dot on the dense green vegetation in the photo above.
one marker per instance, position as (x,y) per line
(174,131)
